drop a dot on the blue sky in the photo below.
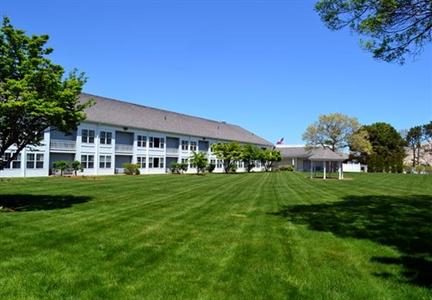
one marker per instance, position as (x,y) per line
(269,66)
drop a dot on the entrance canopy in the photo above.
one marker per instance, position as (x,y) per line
(324,156)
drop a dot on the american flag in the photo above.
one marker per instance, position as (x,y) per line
(280,141)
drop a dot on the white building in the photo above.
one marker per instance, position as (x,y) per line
(299,156)
(117,132)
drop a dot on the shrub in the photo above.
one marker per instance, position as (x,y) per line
(183,167)
(210,168)
(76,166)
(131,169)
(175,168)
(288,168)
(232,167)
(61,165)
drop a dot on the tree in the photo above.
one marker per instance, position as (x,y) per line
(61,165)
(268,157)
(76,166)
(413,139)
(333,131)
(250,154)
(199,160)
(228,152)
(394,28)
(427,133)
(359,143)
(388,149)
(34,94)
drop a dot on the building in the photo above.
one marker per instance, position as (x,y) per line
(117,132)
(301,159)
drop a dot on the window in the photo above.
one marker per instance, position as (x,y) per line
(141,141)
(184,145)
(258,164)
(193,146)
(105,161)
(155,142)
(87,161)
(156,162)
(240,164)
(213,162)
(141,161)
(35,161)
(87,136)
(105,137)
(219,163)
(14,164)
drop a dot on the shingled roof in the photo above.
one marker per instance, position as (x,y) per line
(125,114)
(312,154)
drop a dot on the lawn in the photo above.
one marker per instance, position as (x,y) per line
(262,235)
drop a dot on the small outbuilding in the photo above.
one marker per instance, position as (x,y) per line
(326,157)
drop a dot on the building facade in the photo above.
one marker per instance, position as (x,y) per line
(117,132)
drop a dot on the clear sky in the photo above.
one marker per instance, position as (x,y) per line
(269,66)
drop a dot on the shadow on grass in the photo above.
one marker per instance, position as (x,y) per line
(28,202)
(404,223)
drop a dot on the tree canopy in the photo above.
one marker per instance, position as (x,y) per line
(199,160)
(228,152)
(34,92)
(393,28)
(388,149)
(333,131)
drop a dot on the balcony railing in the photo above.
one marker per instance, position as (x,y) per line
(124,148)
(63,145)
(172,151)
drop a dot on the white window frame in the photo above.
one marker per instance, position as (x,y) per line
(152,142)
(141,161)
(141,141)
(13,164)
(219,164)
(86,162)
(35,160)
(105,137)
(161,163)
(193,146)
(105,161)
(89,137)
(184,145)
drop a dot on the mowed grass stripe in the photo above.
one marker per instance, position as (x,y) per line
(207,237)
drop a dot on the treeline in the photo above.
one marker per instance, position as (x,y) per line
(230,154)
(379,145)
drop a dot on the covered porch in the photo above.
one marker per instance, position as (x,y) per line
(328,159)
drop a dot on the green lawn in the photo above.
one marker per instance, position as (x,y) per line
(267,235)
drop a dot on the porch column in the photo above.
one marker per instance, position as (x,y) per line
(325,169)
(341,167)
(311,169)
(340,170)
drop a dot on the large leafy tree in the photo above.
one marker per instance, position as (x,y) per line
(268,157)
(334,131)
(199,160)
(250,154)
(388,148)
(393,28)
(228,152)
(34,93)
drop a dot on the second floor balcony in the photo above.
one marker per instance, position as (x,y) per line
(62,145)
(124,148)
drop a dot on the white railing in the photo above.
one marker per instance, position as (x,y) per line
(172,151)
(63,145)
(123,148)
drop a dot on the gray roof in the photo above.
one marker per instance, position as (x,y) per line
(312,154)
(120,113)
